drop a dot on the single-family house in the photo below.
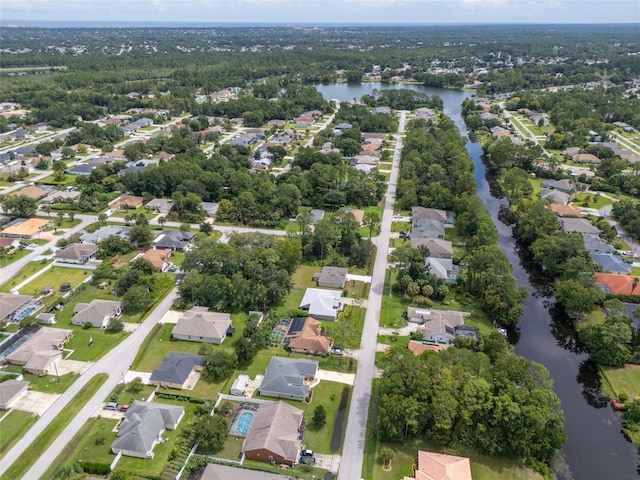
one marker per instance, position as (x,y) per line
(364,160)
(158,258)
(200,325)
(160,205)
(343,126)
(143,122)
(555,196)
(142,427)
(11,391)
(9,242)
(425,113)
(76,253)
(288,378)
(25,227)
(357,213)
(562,210)
(565,185)
(32,191)
(316,215)
(277,123)
(617,284)
(82,169)
(331,277)
(381,110)
(440,466)
(14,308)
(173,240)
(304,335)
(438,248)
(370,135)
(586,158)
(97,312)
(422,213)
(61,196)
(427,229)
(488,117)
(176,370)
(611,263)
(595,244)
(105,232)
(126,202)
(321,304)
(214,471)
(436,326)
(304,121)
(275,435)
(210,208)
(40,350)
(418,347)
(580,225)
(443,268)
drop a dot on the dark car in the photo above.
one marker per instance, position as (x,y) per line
(307,460)
(123,408)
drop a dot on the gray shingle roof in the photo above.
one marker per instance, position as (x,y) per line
(287,376)
(176,367)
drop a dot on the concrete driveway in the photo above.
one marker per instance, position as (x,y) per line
(72,366)
(331,376)
(36,402)
(171,317)
(359,278)
(328,462)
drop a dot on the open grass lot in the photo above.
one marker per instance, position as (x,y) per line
(347,331)
(591,200)
(483,467)
(160,346)
(55,277)
(621,380)
(66,222)
(46,383)
(451,234)
(135,212)
(400,226)
(24,273)
(102,343)
(12,427)
(49,434)
(14,255)
(83,446)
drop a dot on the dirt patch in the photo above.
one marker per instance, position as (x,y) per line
(338,424)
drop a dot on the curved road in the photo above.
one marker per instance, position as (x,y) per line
(353,452)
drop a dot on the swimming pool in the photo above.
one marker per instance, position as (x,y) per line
(242,420)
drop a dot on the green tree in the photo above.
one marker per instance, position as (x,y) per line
(386,455)
(219,366)
(516,181)
(141,236)
(115,325)
(137,299)
(372,220)
(19,206)
(206,228)
(102,219)
(211,432)
(609,343)
(319,416)
(577,296)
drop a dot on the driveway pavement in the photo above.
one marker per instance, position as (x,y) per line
(353,452)
(36,402)
(328,462)
(72,366)
(331,376)
(358,278)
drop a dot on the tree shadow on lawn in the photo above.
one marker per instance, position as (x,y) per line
(338,424)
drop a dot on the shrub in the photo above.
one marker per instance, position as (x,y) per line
(99,440)
(86,326)
(97,468)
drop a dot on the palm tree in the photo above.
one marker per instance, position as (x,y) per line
(162,221)
(127,219)
(71,216)
(102,219)
(48,210)
(636,280)
(61,216)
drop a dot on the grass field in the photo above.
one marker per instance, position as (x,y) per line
(621,380)
(46,383)
(135,212)
(12,427)
(14,255)
(591,200)
(55,277)
(24,273)
(49,434)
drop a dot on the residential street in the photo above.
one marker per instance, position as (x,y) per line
(115,363)
(353,451)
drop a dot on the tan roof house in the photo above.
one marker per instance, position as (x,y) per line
(439,466)
(126,202)
(422,213)
(14,308)
(158,258)
(25,228)
(304,335)
(40,350)
(418,347)
(201,325)
(438,247)
(76,253)
(98,313)
(275,435)
(32,191)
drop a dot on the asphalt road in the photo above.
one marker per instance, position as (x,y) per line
(115,363)
(353,450)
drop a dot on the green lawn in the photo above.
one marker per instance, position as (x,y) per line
(12,427)
(24,273)
(148,214)
(55,277)
(102,343)
(83,446)
(621,380)
(47,383)
(160,346)
(49,434)
(400,226)
(66,222)
(14,255)
(594,200)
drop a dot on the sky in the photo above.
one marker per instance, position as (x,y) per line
(322,11)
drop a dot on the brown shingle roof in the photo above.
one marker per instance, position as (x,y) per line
(439,466)
(418,348)
(32,191)
(618,284)
(157,258)
(563,210)
(310,338)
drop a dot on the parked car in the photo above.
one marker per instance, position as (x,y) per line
(123,408)
(307,460)
(111,406)
(403,234)
(336,350)
(307,453)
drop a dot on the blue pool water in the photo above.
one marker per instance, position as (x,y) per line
(242,423)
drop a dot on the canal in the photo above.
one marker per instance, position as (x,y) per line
(596,448)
